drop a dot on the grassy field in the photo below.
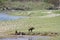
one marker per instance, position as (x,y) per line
(33,13)
(40,24)
(46,24)
(29,13)
(38,17)
(57,11)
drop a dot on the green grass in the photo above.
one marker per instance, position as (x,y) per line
(56,11)
(29,13)
(40,24)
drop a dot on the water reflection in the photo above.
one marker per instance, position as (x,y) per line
(30,38)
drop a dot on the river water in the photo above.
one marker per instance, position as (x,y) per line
(28,38)
(4,16)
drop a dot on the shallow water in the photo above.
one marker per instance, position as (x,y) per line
(4,16)
(28,38)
